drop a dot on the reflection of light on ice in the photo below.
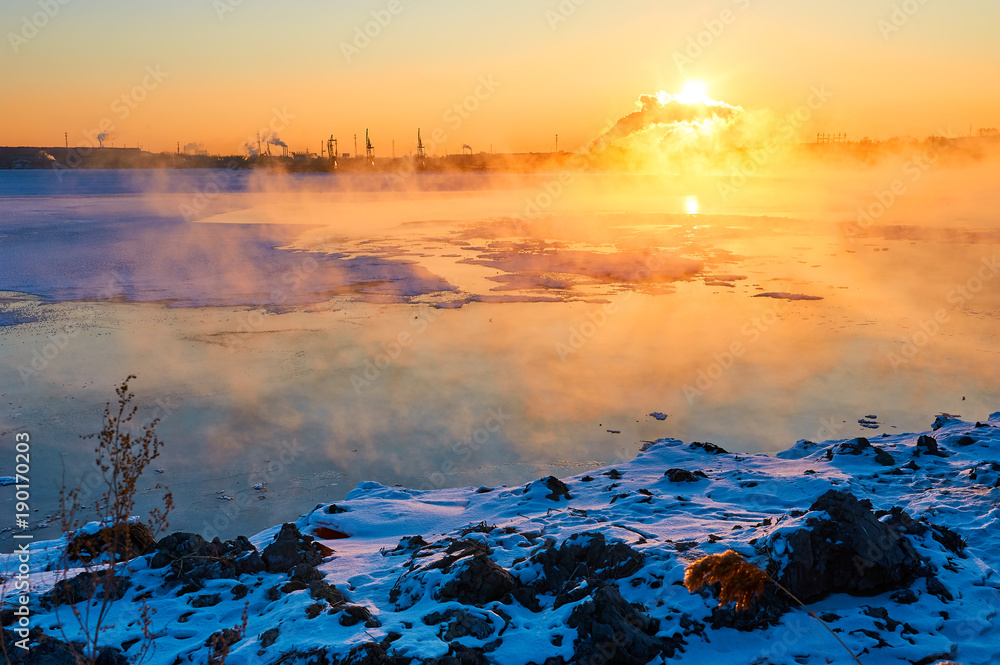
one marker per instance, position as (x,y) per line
(691,205)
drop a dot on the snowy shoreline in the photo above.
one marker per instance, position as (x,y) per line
(561,571)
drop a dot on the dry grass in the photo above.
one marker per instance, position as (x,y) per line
(740,582)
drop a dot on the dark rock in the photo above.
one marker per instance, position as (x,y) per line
(123,541)
(334,509)
(460,623)
(710,448)
(928,445)
(289,549)
(305,573)
(221,642)
(883,614)
(964,440)
(584,555)
(207,600)
(770,606)
(86,586)
(610,630)
(949,539)
(937,588)
(192,559)
(239,591)
(321,590)
(390,637)
(355,614)
(460,655)
(313,611)
(556,487)
(268,637)
(683,476)
(859,445)
(408,544)
(904,597)
(369,653)
(47,650)
(477,582)
(851,552)
(527,597)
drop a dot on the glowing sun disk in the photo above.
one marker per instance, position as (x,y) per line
(693,92)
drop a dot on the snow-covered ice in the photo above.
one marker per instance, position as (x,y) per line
(399,556)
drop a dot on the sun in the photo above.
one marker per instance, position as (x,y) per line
(693,92)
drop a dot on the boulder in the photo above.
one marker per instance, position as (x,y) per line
(47,650)
(683,475)
(859,445)
(848,552)
(477,581)
(928,445)
(193,559)
(584,555)
(556,488)
(86,586)
(611,630)
(460,623)
(123,541)
(289,549)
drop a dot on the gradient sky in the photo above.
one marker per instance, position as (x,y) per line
(226,72)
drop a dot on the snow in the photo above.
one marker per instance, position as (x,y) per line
(749,503)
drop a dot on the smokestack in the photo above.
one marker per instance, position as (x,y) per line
(66,136)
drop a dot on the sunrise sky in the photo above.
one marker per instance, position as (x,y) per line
(568,68)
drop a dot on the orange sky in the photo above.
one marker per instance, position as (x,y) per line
(553,67)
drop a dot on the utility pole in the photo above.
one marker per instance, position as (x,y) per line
(355,145)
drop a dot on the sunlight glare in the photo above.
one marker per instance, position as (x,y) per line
(694,92)
(691,205)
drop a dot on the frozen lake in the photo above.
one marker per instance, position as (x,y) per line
(311,332)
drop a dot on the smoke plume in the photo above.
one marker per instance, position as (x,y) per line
(667,111)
